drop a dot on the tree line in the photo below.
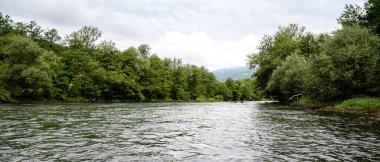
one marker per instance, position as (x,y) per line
(39,64)
(322,67)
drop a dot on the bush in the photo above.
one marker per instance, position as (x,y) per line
(360,103)
(201,99)
(306,101)
(287,79)
(5,95)
(347,65)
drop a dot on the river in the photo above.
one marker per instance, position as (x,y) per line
(249,131)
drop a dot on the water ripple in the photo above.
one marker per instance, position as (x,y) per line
(249,131)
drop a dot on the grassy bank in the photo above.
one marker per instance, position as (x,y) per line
(86,100)
(363,103)
(354,105)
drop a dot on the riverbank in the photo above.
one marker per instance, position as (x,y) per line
(86,100)
(358,105)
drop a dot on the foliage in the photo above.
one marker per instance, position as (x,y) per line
(242,89)
(367,16)
(273,50)
(347,65)
(84,38)
(353,14)
(372,8)
(24,72)
(144,50)
(306,101)
(338,66)
(36,64)
(325,67)
(287,80)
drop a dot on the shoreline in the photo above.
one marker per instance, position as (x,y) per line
(348,110)
(363,105)
(30,101)
(323,108)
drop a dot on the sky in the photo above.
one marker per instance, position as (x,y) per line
(212,33)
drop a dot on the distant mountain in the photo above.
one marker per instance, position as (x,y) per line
(234,73)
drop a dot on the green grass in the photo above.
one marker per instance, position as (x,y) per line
(205,99)
(359,103)
(305,101)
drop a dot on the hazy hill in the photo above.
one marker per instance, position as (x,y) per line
(234,73)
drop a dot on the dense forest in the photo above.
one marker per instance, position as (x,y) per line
(292,65)
(320,68)
(38,64)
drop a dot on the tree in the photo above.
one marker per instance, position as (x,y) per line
(157,83)
(234,87)
(52,36)
(287,80)
(367,16)
(24,70)
(84,38)
(50,41)
(179,80)
(34,64)
(222,90)
(208,83)
(144,50)
(34,31)
(274,49)
(73,73)
(353,14)
(131,67)
(6,24)
(348,65)
(372,17)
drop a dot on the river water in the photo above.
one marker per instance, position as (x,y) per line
(250,131)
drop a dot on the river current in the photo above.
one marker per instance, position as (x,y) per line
(221,131)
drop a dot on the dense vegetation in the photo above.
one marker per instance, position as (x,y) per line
(38,64)
(326,67)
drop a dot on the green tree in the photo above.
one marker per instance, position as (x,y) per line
(179,80)
(73,75)
(372,8)
(347,65)
(157,83)
(353,14)
(84,38)
(287,80)
(35,64)
(24,70)
(131,67)
(273,50)
(235,89)
(367,16)
(221,89)
(144,50)
(208,83)
(34,31)
(50,41)
(6,25)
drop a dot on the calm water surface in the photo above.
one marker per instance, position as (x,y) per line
(249,131)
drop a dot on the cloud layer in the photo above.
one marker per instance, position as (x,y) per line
(213,33)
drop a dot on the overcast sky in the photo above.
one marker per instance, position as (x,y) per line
(214,33)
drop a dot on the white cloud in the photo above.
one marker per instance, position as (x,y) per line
(200,49)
